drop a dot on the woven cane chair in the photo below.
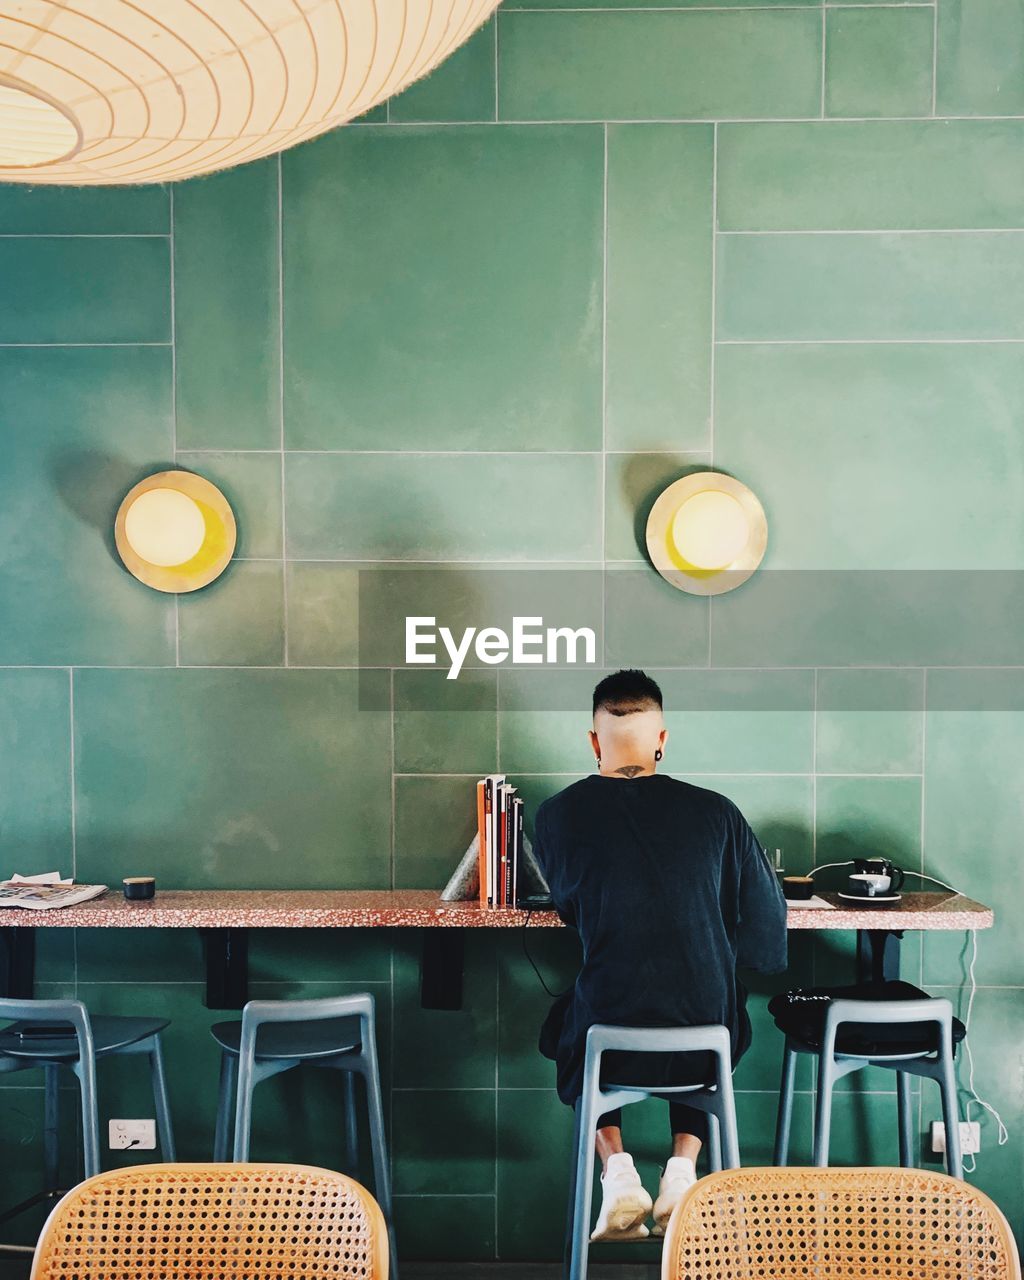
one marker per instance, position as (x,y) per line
(789,1223)
(214,1222)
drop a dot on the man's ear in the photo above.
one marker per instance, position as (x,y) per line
(663,738)
(595,744)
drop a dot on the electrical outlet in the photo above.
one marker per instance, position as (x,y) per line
(138,1135)
(970,1137)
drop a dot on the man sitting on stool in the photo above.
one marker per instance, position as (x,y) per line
(670,891)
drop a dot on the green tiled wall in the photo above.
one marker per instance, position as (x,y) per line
(605,244)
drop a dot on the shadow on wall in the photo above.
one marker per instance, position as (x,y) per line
(644,478)
(91,485)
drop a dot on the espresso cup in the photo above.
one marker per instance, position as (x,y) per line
(892,874)
(866,884)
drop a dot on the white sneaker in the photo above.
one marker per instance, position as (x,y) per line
(624,1202)
(678,1177)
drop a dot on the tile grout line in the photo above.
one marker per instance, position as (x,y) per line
(935,56)
(814,774)
(494,19)
(712,372)
(280,395)
(604,404)
(872,231)
(497,1058)
(74,815)
(71,769)
(688,773)
(824,51)
(497,720)
(174,391)
(394,775)
(924,748)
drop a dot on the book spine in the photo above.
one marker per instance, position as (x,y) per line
(486,889)
(481,831)
(518,850)
(502,843)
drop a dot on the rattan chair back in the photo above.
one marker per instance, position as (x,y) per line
(214,1222)
(836,1224)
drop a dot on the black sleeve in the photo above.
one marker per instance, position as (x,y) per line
(761,932)
(543,853)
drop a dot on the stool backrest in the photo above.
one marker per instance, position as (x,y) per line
(789,1223)
(216,1221)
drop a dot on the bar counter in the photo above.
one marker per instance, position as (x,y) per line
(225,916)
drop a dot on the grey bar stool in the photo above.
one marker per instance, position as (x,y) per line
(911,1034)
(338,1033)
(78,1040)
(715,1098)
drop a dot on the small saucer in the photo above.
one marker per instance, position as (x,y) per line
(888,900)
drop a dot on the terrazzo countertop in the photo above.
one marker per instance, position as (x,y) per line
(915,911)
(422,908)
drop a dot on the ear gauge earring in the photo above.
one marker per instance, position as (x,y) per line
(658,754)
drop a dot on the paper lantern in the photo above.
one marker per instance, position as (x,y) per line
(108,91)
(175,531)
(706,533)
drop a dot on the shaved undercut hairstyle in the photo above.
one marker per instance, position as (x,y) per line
(625,692)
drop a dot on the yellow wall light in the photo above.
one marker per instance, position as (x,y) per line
(175,531)
(706,533)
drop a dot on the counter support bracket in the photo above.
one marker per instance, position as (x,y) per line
(227,967)
(441,966)
(878,955)
(17,962)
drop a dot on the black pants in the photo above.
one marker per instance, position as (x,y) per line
(681,1118)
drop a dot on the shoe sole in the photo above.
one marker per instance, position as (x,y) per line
(625,1216)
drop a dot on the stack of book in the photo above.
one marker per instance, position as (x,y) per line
(499,815)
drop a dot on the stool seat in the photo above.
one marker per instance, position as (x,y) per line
(304,1040)
(109,1035)
(801,1016)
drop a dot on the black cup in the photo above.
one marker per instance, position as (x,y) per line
(797,888)
(881,867)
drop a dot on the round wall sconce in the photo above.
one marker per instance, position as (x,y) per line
(175,531)
(706,533)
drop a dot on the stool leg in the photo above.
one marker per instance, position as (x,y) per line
(161,1103)
(570,1216)
(85,1070)
(823,1111)
(584,1184)
(370,1072)
(351,1124)
(225,1105)
(951,1118)
(905,1121)
(243,1109)
(51,1126)
(784,1120)
(714,1143)
(727,1115)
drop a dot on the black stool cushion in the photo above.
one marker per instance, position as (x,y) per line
(801,1015)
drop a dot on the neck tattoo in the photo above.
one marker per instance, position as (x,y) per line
(631,770)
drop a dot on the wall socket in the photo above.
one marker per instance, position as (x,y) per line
(970,1137)
(139,1135)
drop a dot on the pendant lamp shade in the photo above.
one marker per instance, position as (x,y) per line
(96,92)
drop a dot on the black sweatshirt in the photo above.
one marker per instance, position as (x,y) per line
(670,891)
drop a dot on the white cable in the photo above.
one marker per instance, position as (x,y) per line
(825,866)
(1002,1133)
